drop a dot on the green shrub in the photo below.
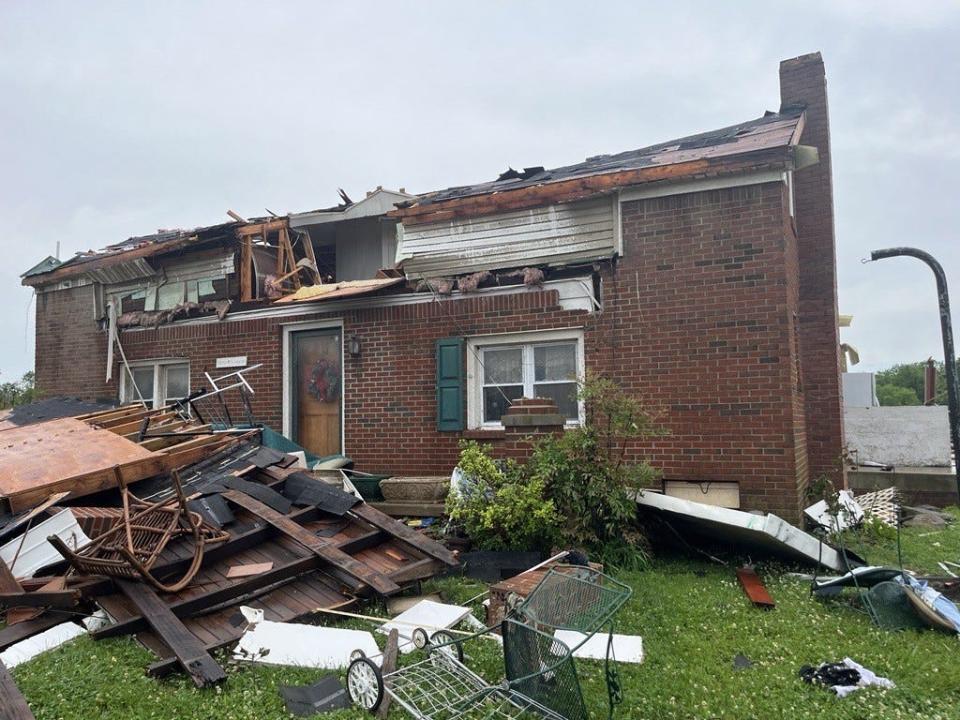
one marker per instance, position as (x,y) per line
(587,476)
(501,509)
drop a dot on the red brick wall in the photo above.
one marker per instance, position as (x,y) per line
(71,350)
(700,327)
(803,82)
(697,319)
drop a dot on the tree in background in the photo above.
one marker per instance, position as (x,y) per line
(903,384)
(19,392)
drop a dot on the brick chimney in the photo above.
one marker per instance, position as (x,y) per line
(803,83)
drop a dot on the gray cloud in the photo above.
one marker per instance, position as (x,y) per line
(118,118)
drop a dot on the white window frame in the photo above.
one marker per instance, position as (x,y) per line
(129,395)
(526,340)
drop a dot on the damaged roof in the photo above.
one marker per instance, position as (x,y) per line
(693,156)
(339,290)
(140,246)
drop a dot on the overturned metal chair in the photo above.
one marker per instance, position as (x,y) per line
(131,548)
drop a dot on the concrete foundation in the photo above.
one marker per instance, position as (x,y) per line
(918,486)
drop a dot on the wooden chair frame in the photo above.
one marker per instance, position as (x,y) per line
(132,547)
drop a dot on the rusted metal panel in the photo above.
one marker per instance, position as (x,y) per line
(754,588)
(561,233)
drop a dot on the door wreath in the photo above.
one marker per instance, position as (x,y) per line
(324,382)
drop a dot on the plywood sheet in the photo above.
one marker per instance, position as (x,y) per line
(67,454)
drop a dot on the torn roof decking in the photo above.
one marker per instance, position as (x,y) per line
(139,247)
(339,290)
(765,143)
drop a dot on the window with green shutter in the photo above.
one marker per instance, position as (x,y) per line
(450,385)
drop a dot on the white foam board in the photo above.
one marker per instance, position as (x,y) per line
(273,643)
(40,643)
(33,551)
(427,614)
(626,648)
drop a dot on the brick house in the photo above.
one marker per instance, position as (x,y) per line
(698,273)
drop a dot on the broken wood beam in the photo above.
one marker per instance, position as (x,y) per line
(202,603)
(249,586)
(12,634)
(408,535)
(65,599)
(13,705)
(328,551)
(387,665)
(8,583)
(190,652)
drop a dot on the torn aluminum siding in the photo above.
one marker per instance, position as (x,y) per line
(763,532)
(557,234)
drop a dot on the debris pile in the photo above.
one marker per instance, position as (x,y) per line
(166,527)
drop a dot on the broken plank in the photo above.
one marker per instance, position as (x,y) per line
(408,535)
(190,652)
(40,599)
(28,517)
(754,588)
(240,571)
(8,583)
(13,706)
(419,570)
(328,551)
(250,587)
(12,634)
(387,665)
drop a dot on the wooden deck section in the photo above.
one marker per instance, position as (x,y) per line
(77,455)
(299,583)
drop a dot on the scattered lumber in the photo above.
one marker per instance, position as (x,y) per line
(290,544)
(190,652)
(13,706)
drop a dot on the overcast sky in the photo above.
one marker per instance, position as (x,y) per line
(117,119)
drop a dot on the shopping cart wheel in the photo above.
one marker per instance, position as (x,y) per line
(365,684)
(442,637)
(420,638)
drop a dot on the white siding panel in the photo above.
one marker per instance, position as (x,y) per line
(553,235)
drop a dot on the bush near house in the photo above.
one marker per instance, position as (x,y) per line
(499,508)
(576,489)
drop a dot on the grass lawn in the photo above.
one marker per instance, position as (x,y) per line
(694,619)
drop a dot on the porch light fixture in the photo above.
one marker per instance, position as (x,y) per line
(354,345)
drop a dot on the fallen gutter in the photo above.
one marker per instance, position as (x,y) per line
(758,532)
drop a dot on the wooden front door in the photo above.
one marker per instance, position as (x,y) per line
(316,393)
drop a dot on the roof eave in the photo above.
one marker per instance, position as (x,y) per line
(785,157)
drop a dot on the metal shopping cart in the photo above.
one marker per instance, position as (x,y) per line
(540,674)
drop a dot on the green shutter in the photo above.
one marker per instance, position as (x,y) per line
(450,385)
